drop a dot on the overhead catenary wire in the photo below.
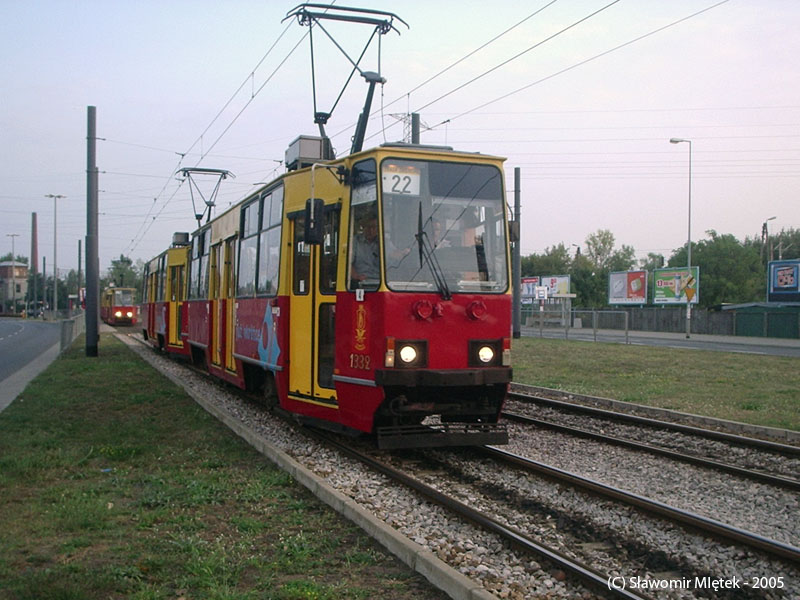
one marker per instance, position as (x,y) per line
(583,62)
(148,221)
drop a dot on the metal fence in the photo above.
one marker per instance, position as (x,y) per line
(766,323)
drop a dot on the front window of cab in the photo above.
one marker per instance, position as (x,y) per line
(444,226)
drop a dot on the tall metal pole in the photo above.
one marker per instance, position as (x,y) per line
(92,255)
(55,198)
(415,128)
(13,273)
(689,243)
(516,262)
(34,259)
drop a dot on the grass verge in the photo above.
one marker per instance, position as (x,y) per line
(115,484)
(756,389)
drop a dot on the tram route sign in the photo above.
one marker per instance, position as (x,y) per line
(783,281)
(676,285)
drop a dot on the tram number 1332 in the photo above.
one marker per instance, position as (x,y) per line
(359,361)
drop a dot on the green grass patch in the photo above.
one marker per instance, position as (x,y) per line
(116,484)
(751,388)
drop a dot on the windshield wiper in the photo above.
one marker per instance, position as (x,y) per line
(427,254)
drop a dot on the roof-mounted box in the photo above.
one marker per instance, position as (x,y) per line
(305,151)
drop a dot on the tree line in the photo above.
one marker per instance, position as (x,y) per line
(122,273)
(731,271)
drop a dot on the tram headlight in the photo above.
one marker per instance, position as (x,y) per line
(408,354)
(129,314)
(118,314)
(486,354)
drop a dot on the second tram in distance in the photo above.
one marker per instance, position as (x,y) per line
(117,306)
(368,293)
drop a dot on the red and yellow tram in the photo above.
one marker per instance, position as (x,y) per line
(117,306)
(368,293)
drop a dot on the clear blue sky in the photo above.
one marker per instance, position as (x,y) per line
(592,142)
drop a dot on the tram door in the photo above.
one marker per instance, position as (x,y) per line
(223,301)
(175,295)
(313,313)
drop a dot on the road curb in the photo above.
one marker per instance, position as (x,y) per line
(13,385)
(424,562)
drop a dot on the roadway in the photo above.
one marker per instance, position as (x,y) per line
(719,343)
(27,347)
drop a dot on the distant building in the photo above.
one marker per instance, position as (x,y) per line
(12,272)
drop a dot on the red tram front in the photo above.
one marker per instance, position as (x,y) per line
(117,306)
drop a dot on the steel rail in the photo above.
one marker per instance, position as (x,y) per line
(587,574)
(707,524)
(776,480)
(690,429)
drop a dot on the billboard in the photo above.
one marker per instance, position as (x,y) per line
(782,281)
(528,289)
(676,285)
(556,284)
(627,287)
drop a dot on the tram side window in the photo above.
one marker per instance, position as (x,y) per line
(301,259)
(330,252)
(269,252)
(364,254)
(248,250)
(198,276)
(204,275)
(161,279)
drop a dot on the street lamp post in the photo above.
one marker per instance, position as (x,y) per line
(55,197)
(13,273)
(765,237)
(689,242)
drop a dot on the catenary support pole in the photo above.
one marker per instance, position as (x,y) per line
(516,263)
(92,258)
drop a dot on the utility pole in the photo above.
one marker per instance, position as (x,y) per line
(13,273)
(516,264)
(92,254)
(55,197)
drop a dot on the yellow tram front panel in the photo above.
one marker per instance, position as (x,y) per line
(177,260)
(312,275)
(222,289)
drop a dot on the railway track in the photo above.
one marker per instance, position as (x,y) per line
(597,547)
(447,493)
(705,524)
(761,460)
(776,480)
(589,575)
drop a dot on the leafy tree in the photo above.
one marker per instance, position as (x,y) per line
(123,273)
(19,259)
(652,262)
(730,271)
(590,288)
(554,261)
(600,251)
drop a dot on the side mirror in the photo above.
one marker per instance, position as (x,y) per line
(313,234)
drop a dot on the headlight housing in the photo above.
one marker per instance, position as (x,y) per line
(406,354)
(485,353)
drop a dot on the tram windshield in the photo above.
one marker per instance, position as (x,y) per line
(123,297)
(444,227)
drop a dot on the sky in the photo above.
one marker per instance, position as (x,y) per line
(582,96)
